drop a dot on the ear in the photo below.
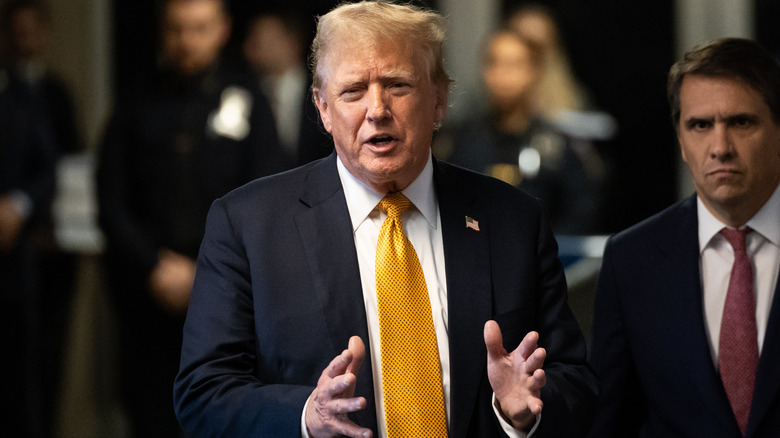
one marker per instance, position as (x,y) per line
(322,107)
(682,149)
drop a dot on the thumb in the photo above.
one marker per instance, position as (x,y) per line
(493,340)
(358,350)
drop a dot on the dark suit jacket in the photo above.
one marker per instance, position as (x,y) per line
(650,347)
(278,295)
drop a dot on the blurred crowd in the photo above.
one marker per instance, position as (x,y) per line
(202,124)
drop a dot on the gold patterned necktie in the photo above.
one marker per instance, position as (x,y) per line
(411,371)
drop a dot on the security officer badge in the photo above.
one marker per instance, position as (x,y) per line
(231,119)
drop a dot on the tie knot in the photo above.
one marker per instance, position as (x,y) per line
(736,237)
(395,204)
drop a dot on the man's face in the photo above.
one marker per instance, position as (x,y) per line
(269,47)
(29,34)
(194,32)
(380,105)
(731,145)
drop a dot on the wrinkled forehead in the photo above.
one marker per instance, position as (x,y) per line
(401,56)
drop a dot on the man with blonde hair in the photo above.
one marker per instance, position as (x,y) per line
(379,292)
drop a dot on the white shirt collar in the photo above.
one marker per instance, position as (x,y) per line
(361,199)
(764,222)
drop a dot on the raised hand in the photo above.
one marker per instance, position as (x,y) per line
(333,398)
(517,377)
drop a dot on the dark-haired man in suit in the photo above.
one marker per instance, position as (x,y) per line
(686,325)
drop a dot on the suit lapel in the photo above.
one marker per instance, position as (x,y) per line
(767,377)
(326,232)
(467,259)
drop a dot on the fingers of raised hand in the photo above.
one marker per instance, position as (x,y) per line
(329,405)
(528,345)
(326,417)
(338,366)
(534,361)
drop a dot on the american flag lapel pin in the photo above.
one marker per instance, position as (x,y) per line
(472,223)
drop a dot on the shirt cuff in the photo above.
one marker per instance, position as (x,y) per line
(304,430)
(508,429)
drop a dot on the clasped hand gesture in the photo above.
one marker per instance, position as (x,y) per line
(517,377)
(333,398)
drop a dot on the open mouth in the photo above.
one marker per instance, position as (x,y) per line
(380,140)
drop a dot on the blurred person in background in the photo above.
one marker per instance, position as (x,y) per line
(27,182)
(28,31)
(514,142)
(275,48)
(560,97)
(195,130)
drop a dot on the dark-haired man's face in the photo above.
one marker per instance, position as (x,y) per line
(731,144)
(194,32)
(29,34)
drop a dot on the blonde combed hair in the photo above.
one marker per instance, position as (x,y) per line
(381,20)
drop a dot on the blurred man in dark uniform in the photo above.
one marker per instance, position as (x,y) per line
(28,29)
(27,166)
(189,135)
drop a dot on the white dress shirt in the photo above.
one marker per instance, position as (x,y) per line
(422,226)
(717,257)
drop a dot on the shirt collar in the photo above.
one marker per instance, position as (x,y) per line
(764,222)
(361,199)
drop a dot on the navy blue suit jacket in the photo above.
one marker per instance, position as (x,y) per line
(278,295)
(650,347)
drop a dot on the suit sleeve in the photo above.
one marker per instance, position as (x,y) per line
(619,406)
(217,392)
(571,386)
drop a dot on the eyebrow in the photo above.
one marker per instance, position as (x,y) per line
(690,121)
(389,76)
(727,119)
